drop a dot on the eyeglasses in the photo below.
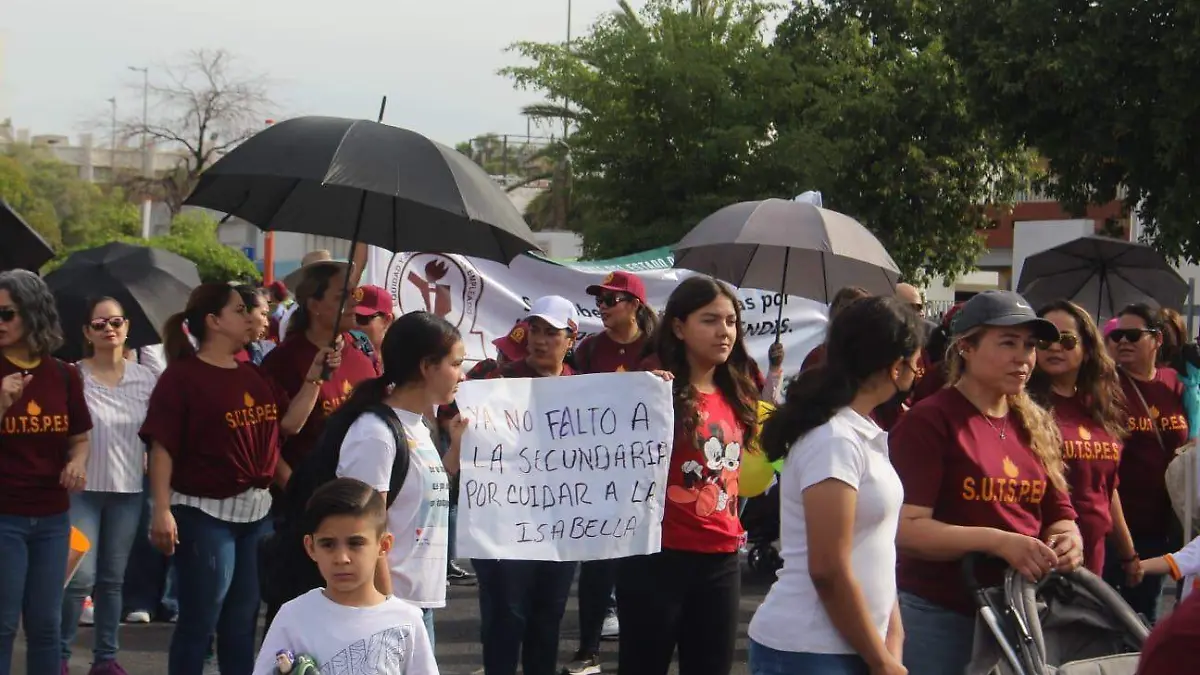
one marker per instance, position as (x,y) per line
(114,322)
(7,314)
(363,320)
(1068,341)
(1130,335)
(610,299)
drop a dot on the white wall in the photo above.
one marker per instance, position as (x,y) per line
(1034,236)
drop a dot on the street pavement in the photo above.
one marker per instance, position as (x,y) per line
(144,647)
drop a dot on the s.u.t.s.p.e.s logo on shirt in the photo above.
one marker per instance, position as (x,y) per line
(332,403)
(35,421)
(1088,449)
(1156,418)
(1004,486)
(251,413)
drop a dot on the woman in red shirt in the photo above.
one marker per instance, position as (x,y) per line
(214,426)
(687,595)
(1076,381)
(310,329)
(44,424)
(1157,426)
(982,470)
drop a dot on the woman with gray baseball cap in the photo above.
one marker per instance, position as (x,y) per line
(982,469)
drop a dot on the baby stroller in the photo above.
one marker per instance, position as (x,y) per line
(1066,624)
(760,518)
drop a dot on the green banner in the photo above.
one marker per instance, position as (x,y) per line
(655,259)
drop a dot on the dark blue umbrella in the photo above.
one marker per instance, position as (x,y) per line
(24,248)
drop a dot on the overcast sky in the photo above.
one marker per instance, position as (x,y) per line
(60,60)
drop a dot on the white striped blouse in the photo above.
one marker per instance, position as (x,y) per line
(116,454)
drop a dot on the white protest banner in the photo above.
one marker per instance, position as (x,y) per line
(484,298)
(564,468)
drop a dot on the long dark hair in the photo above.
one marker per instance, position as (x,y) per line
(865,338)
(647,318)
(89,309)
(206,299)
(733,378)
(1098,384)
(413,340)
(314,284)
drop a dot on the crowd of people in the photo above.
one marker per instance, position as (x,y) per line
(266,428)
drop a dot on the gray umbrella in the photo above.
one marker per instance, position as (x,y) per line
(788,247)
(1102,275)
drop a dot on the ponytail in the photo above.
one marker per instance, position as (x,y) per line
(176,344)
(813,397)
(647,319)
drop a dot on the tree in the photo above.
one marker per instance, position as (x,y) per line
(35,209)
(205,106)
(877,111)
(193,236)
(667,113)
(1106,91)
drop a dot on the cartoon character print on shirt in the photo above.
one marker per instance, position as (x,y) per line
(712,483)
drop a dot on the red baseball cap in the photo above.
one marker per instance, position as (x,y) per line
(513,344)
(371,300)
(620,282)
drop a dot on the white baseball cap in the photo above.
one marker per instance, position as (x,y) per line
(557,311)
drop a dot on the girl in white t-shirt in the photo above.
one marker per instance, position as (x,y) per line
(422,357)
(1182,565)
(832,610)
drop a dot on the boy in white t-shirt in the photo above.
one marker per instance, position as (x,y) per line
(1183,564)
(348,626)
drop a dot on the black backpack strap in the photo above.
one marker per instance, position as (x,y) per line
(403,452)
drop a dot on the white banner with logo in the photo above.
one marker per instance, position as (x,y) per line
(564,468)
(484,298)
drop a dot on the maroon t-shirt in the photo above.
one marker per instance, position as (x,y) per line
(35,437)
(951,458)
(1144,462)
(600,353)
(1092,456)
(1173,641)
(288,365)
(220,426)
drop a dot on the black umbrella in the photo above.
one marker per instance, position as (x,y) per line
(790,247)
(366,182)
(151,284)
(24,248)
(1102,275)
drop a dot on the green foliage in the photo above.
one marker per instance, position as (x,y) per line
(194,236)
(33,207)
(879,116)
(682,108)
(1106,91)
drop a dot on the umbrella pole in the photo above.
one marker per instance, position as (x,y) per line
(787,252)
(337,324)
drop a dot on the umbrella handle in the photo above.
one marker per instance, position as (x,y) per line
(326,371)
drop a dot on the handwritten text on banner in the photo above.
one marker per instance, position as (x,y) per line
(564,468)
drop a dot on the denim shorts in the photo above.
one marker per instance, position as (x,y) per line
(767,661)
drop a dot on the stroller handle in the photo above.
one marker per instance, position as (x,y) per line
(969,562)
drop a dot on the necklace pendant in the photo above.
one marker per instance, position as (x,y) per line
(1004,435)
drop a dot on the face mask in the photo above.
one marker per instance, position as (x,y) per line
(901,395)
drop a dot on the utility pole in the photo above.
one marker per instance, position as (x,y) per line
(147,169)
(112,157)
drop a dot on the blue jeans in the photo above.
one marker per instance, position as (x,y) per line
(1143,598)
(937,641)
(218,567)
(427,619)
(150,576)
(767,661)
(33,567)
(110,521)
(521,604)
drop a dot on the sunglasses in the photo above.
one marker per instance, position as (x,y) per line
(610,299)
(114,322)
(1130,335)
(7,314)
(365,320)
(1068,341)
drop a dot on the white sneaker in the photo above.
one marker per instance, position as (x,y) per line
(88,616)
(611,629)
(137,617)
